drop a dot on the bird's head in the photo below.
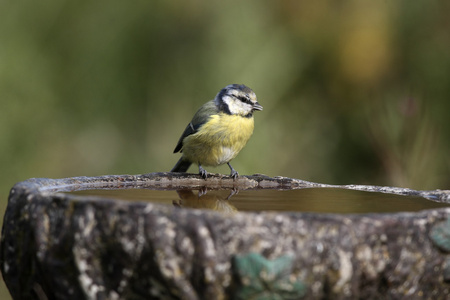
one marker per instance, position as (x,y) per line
(237,99)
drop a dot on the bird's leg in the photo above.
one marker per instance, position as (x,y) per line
(233,173)
(202,171)
(202,191)
(233,191)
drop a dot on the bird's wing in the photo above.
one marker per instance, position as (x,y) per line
(200,118)
(190,129)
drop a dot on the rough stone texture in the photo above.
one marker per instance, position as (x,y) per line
(60,246)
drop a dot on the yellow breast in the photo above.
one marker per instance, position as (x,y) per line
(219,140)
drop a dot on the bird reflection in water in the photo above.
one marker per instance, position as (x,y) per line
(213,200)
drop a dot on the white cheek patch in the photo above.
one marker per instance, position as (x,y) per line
(237,107)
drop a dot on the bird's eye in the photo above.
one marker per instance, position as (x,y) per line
(244,99)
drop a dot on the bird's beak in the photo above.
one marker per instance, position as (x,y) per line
(257,106)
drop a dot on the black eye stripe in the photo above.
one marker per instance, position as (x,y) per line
(245,99)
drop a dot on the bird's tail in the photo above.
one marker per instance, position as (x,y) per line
(181,166)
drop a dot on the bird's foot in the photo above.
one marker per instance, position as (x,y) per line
(233,191)
(202,172)
(202,191)
(234,174)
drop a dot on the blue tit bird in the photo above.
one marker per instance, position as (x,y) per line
(218,130)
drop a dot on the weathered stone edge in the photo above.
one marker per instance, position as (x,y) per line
(173,181)
(332,241)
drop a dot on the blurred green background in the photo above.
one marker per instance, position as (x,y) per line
(353,92)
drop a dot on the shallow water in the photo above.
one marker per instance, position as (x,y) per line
(319,200)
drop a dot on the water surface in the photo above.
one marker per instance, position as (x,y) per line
(318,200)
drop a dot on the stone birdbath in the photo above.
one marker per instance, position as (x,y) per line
(60,240)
